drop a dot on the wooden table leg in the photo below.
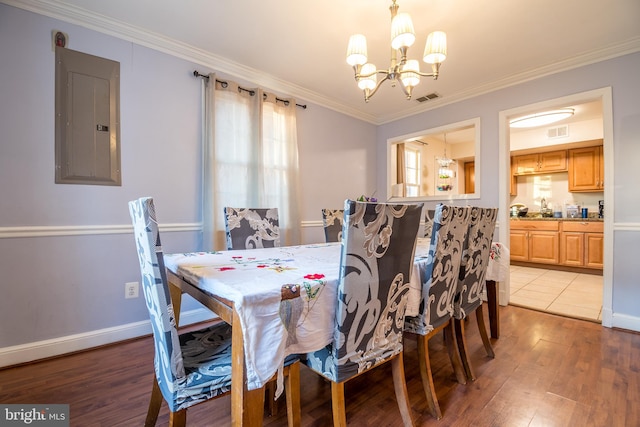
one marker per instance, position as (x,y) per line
(176,299)
(246,405)
(494,312)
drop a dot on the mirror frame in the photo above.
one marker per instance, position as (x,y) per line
(440,129)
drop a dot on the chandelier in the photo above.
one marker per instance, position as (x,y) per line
(405,72)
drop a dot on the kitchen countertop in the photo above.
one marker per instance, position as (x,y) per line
(539,218)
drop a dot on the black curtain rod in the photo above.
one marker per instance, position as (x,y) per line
(251,92)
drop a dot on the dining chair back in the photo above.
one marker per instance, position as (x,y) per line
(429,215)
(248,228)
(471,284)
(191,367)
(439,276)
(378,247)
(332,220)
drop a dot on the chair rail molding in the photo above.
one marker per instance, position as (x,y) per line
(77,230)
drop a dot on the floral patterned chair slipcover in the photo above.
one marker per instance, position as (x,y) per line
(332,220)
(192,367)
(440,279)
(378,247)
(471,285)
(251,228)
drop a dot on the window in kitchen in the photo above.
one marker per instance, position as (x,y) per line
(412,172)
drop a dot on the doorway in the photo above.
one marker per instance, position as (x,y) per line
(567,282)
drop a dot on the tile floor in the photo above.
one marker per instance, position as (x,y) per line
(560,292)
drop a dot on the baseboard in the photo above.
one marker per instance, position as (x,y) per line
(623,321)
(24,353)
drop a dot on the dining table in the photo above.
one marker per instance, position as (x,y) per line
(280,301)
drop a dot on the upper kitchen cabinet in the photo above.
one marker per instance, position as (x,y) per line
(586,169)
(551,161)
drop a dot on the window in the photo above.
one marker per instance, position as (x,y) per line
(252,162)
(412,172)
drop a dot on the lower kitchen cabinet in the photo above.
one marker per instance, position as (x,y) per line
(534,241)
(569,243)
(581,244)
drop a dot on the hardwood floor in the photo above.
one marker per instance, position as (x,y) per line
(548,371)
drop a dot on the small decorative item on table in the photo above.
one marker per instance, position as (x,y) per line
(364,198)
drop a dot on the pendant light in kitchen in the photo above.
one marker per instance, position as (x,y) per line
(445,170)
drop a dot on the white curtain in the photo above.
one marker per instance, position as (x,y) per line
(250,158)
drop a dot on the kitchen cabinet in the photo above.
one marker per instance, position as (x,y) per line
(547,162)
(586,169)
(568,243)
(534,241)
(581,244)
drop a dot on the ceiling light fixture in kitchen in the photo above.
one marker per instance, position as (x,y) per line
(405,72)
(541,119)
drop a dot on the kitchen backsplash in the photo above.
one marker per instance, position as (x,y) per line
(554,188)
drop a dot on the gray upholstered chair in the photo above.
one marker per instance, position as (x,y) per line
(332,220)
(251,228)
(439,286)
(192,367)
(376,259)
(473,270)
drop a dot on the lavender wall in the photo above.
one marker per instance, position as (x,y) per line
(620,74)
(66,251)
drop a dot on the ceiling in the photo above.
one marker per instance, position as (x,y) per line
(297,48)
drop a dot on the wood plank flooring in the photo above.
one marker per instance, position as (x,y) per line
(548,371)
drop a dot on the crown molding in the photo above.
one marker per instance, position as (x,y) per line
(592,57)
(158,42)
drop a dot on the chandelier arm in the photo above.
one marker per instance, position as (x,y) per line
(366,76)
(433,74)
(405,89)
(369,93)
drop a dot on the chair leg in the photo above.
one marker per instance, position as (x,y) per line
(454,353)
(400,386)
(482,328)
(338,405)
(178,419)
(462,348)
(293,394)
(154,404)
(427,377)
(271,405)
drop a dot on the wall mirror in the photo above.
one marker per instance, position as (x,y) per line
(435,164)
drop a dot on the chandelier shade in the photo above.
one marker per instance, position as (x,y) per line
(435,51)
(402,33)
(410,73)
(357,50)
(370,79)
(405,72)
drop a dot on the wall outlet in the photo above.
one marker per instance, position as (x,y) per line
(131,290)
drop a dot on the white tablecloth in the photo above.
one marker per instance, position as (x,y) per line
(252,280)
(498,268)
